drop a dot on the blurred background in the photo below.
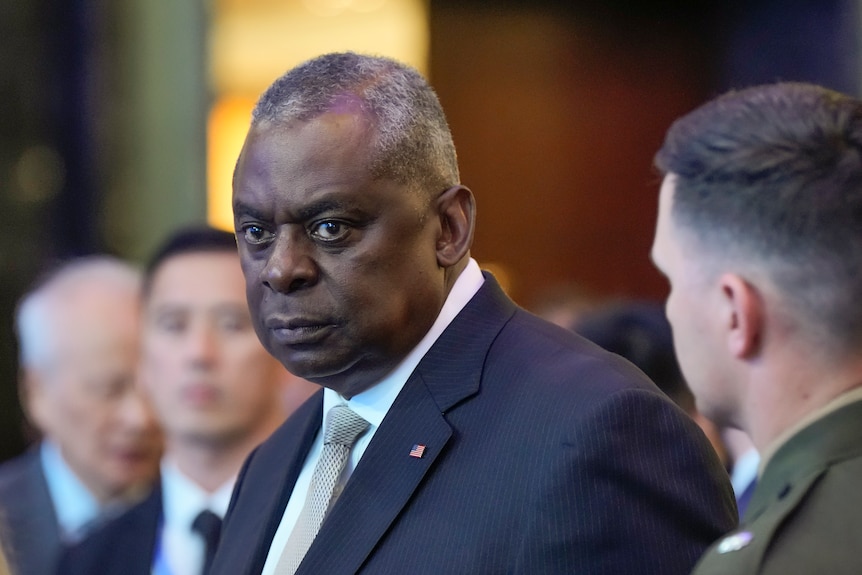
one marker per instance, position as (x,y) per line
(122,119)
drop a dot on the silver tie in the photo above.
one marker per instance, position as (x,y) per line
(343,426)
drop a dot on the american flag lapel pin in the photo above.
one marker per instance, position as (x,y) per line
(418,451)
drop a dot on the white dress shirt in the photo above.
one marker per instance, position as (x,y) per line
(744,471)
(372,405)
(181,550)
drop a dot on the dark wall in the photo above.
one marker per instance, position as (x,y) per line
(32,173)
(50,191)
(795,40)
(558,107)
(556,114)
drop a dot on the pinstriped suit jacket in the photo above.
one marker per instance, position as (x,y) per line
(544,454)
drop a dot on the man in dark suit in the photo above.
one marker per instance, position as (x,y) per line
(760,233)
(217,394)
(481,439)
(78,338)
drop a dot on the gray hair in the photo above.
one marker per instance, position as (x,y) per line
(33,317)
(413,144)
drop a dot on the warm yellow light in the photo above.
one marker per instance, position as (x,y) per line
(252,42)
(228,122)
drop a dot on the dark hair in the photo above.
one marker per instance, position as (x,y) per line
(771,177)
(412,144)
(192,239)
(641,333)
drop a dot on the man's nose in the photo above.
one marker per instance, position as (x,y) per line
(201,343)
(291,265)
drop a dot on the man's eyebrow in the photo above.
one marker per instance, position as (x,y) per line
(304,213)
(242,209)
(315,209)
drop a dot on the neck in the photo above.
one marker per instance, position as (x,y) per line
(211,464)
(782,402)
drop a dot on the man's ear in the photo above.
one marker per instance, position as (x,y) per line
(456,209)
(743,315)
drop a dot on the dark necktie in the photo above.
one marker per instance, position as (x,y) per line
(208,524)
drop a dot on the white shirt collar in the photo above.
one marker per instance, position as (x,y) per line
(183,499)
(181,550)
(744,470)
(373,403)
(74,504)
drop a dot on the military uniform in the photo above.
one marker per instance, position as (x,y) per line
(805,516)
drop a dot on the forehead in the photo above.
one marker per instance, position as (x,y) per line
(301,158)
(89,316)
(198,277)
(333,139)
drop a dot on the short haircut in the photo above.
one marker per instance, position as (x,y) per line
(413,144)
(33,316)
(770,178)
(187,240)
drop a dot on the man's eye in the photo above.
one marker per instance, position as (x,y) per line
(256,235)
(171,323)
(329,230)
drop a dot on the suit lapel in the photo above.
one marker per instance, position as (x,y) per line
(256,515)
(381,484)
(388,475)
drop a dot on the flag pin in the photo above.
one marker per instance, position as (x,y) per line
(418,451)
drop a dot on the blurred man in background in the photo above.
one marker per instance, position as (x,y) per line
(217,394)
(78,335)
(760,234)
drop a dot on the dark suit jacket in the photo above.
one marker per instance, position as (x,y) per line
(806,512)
(544,454)
(28,523)
(123,546)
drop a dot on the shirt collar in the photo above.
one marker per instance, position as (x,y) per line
(183,499)
(74,504)
(373,403)
(744,470)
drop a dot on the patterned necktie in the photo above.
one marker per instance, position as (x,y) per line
(208,524)
(343,426)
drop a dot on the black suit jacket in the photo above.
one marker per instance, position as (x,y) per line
(123,546)
(28,523)
(544,454)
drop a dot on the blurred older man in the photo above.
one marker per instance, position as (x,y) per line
(217,393)
(79,338)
